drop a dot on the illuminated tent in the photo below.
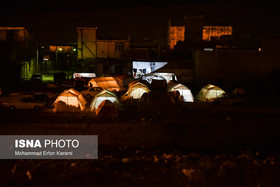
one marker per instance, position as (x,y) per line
(133,82)
(209,92)
(103,96)
(123,81)
(167,76)
(136,81)
(157,103)
(185,92)
(107,83)
(106,109)
(70,100)
(135,91)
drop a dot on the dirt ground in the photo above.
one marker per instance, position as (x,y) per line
(202,145)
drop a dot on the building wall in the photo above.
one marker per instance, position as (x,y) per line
(17,54)
(28,68)
(215,31)
(226,68)
(176,33)
(249,69)
(18,34)
(86,43)
(112,48)
(193,28)
(90,47)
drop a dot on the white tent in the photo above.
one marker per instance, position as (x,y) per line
(209,92)
(107,83)
(70,100)
(185,92)
(141,68)
(167,76)
(123,81)
(135,91)
(106,109)
(100,97)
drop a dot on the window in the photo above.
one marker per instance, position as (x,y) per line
(153,66)
(119,46)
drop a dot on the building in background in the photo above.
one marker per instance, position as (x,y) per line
(193,30)
(57,57)
(214,32)
(101,56)
(176,34)
(194,34)
(17,54)
(90,47)
(86,42)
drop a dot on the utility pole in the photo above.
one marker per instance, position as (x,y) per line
(37,61)
(82,44)
(55,58)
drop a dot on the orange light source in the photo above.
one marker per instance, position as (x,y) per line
(215,31)
(176,33)
(53,48)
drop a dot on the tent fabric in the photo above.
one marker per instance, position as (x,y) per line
(106,109)
(123,81)
(133,82)
(185,93)
(209,92)
(157,103)
(135,91)
(100,97)
(70,100)
(167,76)
(107,83)
(136,81)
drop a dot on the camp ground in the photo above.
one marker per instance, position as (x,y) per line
(102,99)
(70,101)
(123,81)
(209,92)
(106,83)
(135,91)
(106,109)
(185,93)
(167,76)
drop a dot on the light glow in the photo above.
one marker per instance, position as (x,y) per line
(176,34)
(215,31)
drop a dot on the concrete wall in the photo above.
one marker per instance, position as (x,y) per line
(249,69)
(86,43)
(90,47)
(107,48)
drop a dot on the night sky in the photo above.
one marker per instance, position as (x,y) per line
(54,22)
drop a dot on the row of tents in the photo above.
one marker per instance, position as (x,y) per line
(107,103)
(137,88)
(104,103)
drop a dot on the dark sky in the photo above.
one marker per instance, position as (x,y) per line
(52,21)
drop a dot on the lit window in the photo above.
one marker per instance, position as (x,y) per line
(215,31)
(176,33)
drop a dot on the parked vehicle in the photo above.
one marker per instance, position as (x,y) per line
(23,102)
(36,77)
(91,92)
